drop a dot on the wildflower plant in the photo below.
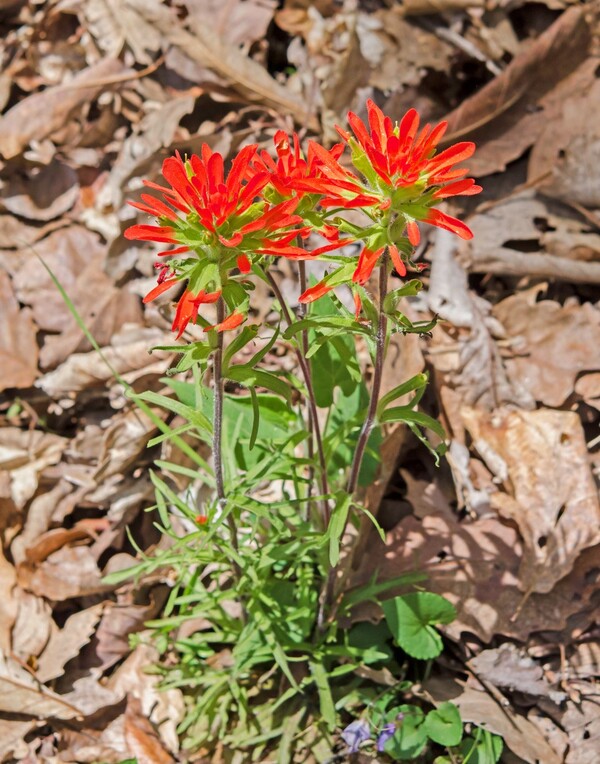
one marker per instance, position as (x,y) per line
(262,556)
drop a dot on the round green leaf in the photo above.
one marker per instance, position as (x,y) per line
(410,738)
(411,619)
(444,725)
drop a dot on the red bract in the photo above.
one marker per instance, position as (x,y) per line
(404,172)
(188,305)
(220,220)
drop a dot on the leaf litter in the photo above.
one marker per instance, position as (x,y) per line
(93,96)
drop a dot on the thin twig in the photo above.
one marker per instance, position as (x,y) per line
(304,366)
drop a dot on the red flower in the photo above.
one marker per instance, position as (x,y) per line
(188,305)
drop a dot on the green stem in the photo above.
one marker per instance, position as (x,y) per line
(218,440)
(329,599)
(312,404)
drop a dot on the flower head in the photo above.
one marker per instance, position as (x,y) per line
(219,221)
(356,733)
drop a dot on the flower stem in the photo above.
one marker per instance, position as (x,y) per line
(312,404)
(329,597)
(369,422)
(218,439)
(309,417)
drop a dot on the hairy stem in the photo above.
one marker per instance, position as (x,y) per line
(218,439)
(369,422)
(329,598)
(312,404)
(309,417)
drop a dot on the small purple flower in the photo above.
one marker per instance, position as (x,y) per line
(386,733)
(356,733)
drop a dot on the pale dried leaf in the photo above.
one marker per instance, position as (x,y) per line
(495,115)
(519,734)
(9,602)
(541,458)
(69,572)
(18,345)
(141,737)
(21,694)
(40,114)
(66,643)
(509,667)
(113,23)
(129,352)
(45,194)
(25,455)
(32,626)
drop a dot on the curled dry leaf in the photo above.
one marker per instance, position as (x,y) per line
(141,738)
(21,694)
(520,735)
(510,667)
(468,358)
(69,572)
(40,114)
(541,459)
(128,353)
(45,194)
(552,344)
(76,257)
(18,344)
(502,116)
(66,643)
(25,454)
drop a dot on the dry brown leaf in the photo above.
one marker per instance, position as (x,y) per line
(118,622)
(552,344)
(519,734)
(475,564)
(8,602)
(18,344)
(15,233)
(128,353)
(66,643)
(32,626)
(164,708)
(12,735)
(112,23)
(69,572)
(541,459)
(502,116)
(40,114)
(245,75)
(44,194)
(76,257)
(141,738)
(25,454)
(568,148)
(468,358)
(21,694)
(510,667)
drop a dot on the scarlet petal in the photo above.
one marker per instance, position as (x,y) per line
(397,260)
(158,290)
(151,233)
(314,292)
(366,262)
(233,320)
(357,305)
(412,230)
(464,187)
(448,223)
(243,264)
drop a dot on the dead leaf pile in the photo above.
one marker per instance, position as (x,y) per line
(93,96)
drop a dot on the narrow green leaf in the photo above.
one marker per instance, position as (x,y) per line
(327,706)
(414,383)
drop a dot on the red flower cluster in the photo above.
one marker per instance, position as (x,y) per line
(226,221)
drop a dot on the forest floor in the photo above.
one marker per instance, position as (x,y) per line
(94,95)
